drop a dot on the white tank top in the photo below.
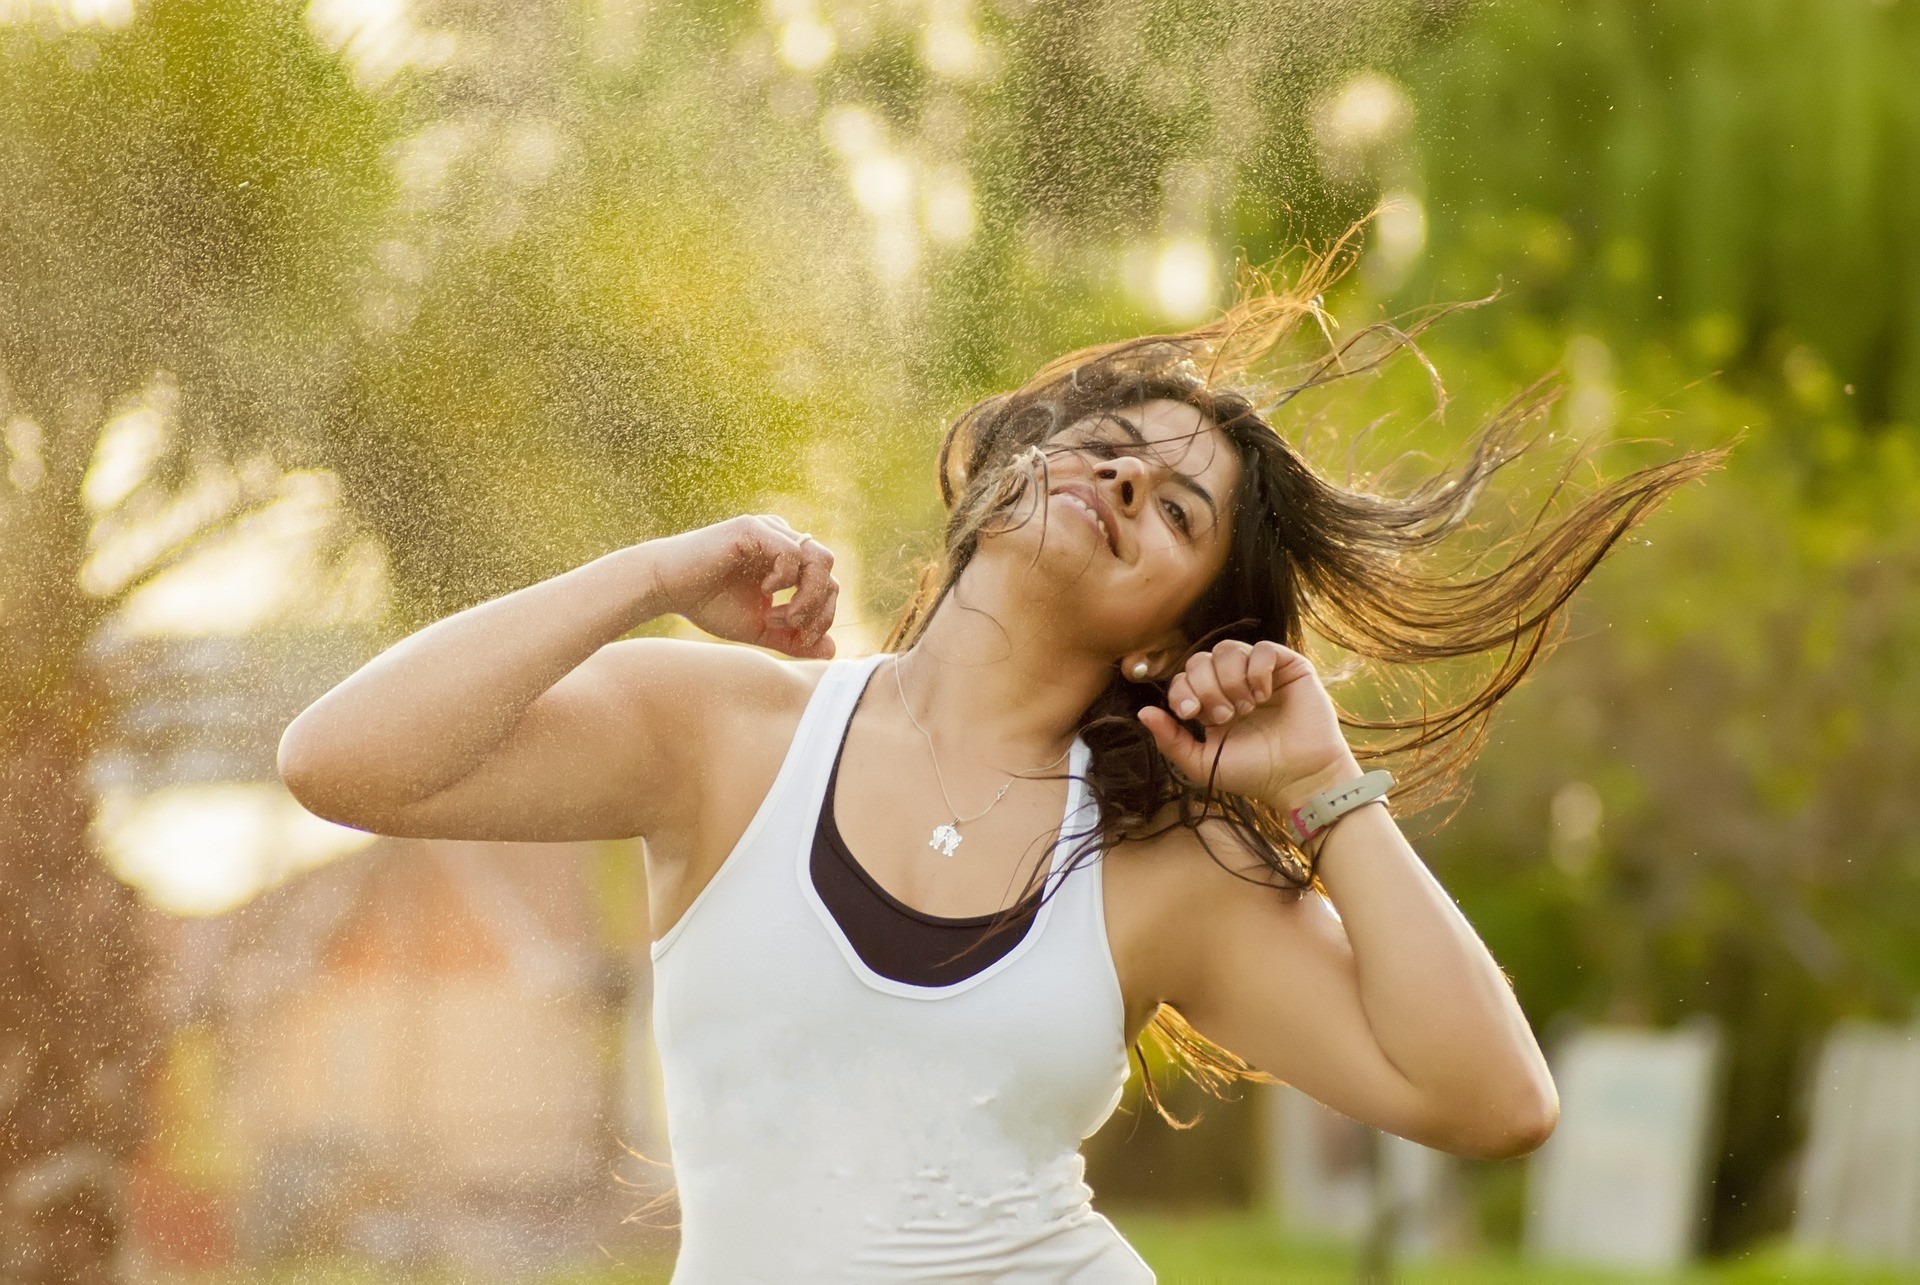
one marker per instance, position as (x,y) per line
(827,1123)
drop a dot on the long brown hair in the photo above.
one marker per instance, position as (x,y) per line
(1309,559)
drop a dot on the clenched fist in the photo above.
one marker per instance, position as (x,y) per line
(1285,743)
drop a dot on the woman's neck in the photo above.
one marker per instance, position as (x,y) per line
(996,686)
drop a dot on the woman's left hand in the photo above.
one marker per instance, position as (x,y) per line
(1271,730)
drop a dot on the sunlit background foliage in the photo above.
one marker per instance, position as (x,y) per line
(324,320)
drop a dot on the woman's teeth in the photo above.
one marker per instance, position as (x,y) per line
(1091,512)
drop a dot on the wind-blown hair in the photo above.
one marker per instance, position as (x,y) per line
(1309,560)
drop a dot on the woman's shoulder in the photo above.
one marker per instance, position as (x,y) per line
(727,710)
(747,679)
(709,702)
(1207,855)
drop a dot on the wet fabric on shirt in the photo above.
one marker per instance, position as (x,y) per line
(830,1123)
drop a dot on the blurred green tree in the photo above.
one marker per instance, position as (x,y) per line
(1700,804)
(169,251)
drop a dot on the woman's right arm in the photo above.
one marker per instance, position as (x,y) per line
(523,718)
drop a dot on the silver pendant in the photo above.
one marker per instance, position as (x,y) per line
(945,838)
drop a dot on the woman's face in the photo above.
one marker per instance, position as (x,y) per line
(1136,521)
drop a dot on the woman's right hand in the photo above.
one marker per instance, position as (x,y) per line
(723,577)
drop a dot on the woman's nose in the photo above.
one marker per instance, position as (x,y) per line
(1126,478)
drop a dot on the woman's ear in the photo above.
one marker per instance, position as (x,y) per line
(1150,664)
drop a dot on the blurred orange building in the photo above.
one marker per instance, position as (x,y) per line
(420,1056)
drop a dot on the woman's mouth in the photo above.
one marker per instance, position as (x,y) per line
(1081,505)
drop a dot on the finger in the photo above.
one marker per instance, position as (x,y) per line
(816,620)
(1291,667)
(1230,671)
(784,573)
(1214,705)
(1173,740)
(1262,667)
(815,581)
(1180,696)
(802,611)
(802,643)
(830,609)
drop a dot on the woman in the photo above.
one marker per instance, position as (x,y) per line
(911,910)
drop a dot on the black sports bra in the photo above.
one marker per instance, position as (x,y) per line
(893,938)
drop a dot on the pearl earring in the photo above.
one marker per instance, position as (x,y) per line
(1139,669)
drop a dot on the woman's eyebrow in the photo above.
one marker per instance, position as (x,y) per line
(1133,432)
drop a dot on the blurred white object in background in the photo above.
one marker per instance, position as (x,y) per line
(189,807)
(1860,1175)
(1332,1178)
(1623,1180)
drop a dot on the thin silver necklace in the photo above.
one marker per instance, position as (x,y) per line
(946,838)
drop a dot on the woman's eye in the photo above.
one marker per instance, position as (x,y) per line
(1179,515)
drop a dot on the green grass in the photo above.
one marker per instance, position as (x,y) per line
(1232,1248)
(1240,1248)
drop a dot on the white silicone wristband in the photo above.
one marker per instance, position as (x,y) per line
(1311,819)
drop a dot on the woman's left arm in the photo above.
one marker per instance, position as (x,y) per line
(1388,1006)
